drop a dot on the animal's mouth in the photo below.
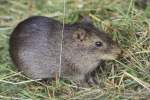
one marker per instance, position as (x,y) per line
(117,52)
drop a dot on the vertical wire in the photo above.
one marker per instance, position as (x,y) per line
(62,38)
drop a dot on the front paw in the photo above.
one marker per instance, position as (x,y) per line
(92,80)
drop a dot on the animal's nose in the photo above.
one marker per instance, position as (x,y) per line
(120,54)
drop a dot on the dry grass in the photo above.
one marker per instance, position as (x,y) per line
(125,79)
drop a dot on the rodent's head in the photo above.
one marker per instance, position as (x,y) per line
(92,41)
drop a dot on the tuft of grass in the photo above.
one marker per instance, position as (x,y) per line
(126,78)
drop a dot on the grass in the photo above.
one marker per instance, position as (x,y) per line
(125,79)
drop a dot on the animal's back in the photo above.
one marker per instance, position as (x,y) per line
(35,45)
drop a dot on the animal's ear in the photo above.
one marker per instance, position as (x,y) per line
(79,34)
(85,19)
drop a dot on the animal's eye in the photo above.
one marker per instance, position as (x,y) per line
(98,44)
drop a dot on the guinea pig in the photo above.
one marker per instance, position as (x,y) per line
(35,48)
